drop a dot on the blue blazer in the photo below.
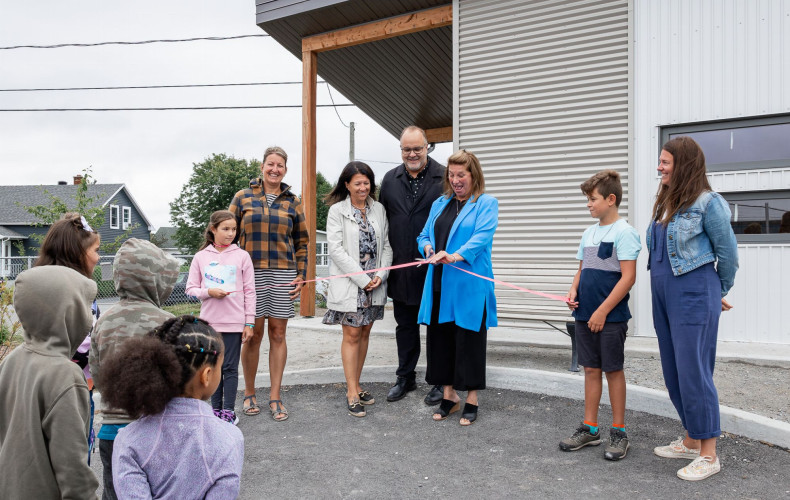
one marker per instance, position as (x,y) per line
(464,297)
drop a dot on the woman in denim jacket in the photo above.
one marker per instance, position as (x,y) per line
(693,259)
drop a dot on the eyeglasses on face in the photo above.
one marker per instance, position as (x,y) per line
(409,151)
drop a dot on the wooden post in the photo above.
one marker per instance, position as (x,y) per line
(309,83)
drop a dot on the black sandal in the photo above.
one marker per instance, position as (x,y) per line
(469,413)
(446,407)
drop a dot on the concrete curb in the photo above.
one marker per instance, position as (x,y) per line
(569,386)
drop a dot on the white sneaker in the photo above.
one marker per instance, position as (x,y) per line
(676,449)
(700,468)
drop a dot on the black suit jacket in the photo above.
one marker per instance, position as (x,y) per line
(407,215)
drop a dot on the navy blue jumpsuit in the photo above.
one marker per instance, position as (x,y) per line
(686,312)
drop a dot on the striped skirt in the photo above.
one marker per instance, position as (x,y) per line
(274,302)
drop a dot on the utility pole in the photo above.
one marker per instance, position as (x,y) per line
(351,142)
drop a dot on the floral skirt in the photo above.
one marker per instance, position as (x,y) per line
(364,316)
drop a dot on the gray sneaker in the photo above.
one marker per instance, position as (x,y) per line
(581,438)
(618,445)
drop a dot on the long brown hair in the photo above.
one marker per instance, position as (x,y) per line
(688,179)
(214,221)
(66,244)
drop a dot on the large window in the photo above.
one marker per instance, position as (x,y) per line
(758,214)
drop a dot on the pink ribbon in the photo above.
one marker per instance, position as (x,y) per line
(418,263)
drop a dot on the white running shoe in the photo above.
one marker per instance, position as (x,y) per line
(676,449)
(700,468)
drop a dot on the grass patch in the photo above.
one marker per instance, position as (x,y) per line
(185,308)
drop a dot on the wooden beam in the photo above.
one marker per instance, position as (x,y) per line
(309,84)
(379,30)
(444,134)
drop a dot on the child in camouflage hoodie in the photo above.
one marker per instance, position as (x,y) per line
(144,277)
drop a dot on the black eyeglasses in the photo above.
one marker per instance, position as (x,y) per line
(408,151)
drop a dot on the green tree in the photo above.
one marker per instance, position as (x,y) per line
(211,187)
(323,187)
(87,202)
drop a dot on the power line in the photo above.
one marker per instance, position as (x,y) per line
(333,105)
(170,108)
(61,45)
(153,86)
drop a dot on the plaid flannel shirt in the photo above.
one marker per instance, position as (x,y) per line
(275,237)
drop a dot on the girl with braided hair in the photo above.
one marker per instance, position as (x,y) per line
(177,448)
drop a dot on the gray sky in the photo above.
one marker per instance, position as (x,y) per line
(152,152)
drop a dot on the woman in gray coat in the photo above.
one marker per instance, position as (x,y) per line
(356,232)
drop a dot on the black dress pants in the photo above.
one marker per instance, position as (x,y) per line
(456,356)
(407,336)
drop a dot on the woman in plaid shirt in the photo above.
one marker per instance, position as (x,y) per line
(273,230)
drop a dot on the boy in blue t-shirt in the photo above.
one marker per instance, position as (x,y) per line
(599,300)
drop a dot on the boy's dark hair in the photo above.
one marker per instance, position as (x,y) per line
(66,244)
(607,182)
(147,372)
(214,221)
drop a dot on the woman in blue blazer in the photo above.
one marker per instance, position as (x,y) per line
(458,307)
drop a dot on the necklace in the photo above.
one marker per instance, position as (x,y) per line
(363,207)
(459,205)
(595,231)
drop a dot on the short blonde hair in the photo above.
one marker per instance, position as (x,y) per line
(472,165)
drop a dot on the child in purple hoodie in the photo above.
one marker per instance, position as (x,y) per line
(222,277)
(177,448)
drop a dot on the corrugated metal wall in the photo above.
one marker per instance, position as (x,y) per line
(542,97)
(703,60)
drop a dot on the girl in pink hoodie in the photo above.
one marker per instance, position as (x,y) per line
(222,277)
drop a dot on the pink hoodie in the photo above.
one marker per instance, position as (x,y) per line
(230,270)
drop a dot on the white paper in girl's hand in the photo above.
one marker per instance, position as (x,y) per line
(220,276)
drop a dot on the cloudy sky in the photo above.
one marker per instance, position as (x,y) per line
(152,152)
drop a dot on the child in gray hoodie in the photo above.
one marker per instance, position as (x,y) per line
(144,277)
(43,394)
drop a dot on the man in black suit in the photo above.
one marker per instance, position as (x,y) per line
(407,193)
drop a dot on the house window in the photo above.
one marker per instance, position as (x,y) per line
(127,217)
(114,216)
(322,253)
(759,215)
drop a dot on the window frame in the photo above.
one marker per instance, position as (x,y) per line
(126,221)
(725,125)
(116,210)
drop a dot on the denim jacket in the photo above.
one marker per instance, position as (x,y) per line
(701,234)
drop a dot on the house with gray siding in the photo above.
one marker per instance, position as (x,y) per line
(17,225)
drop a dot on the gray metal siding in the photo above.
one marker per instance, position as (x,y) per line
(543,100)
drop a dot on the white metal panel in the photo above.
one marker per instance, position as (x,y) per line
(763,274)
(542,97)
(703,60)
(750,180)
